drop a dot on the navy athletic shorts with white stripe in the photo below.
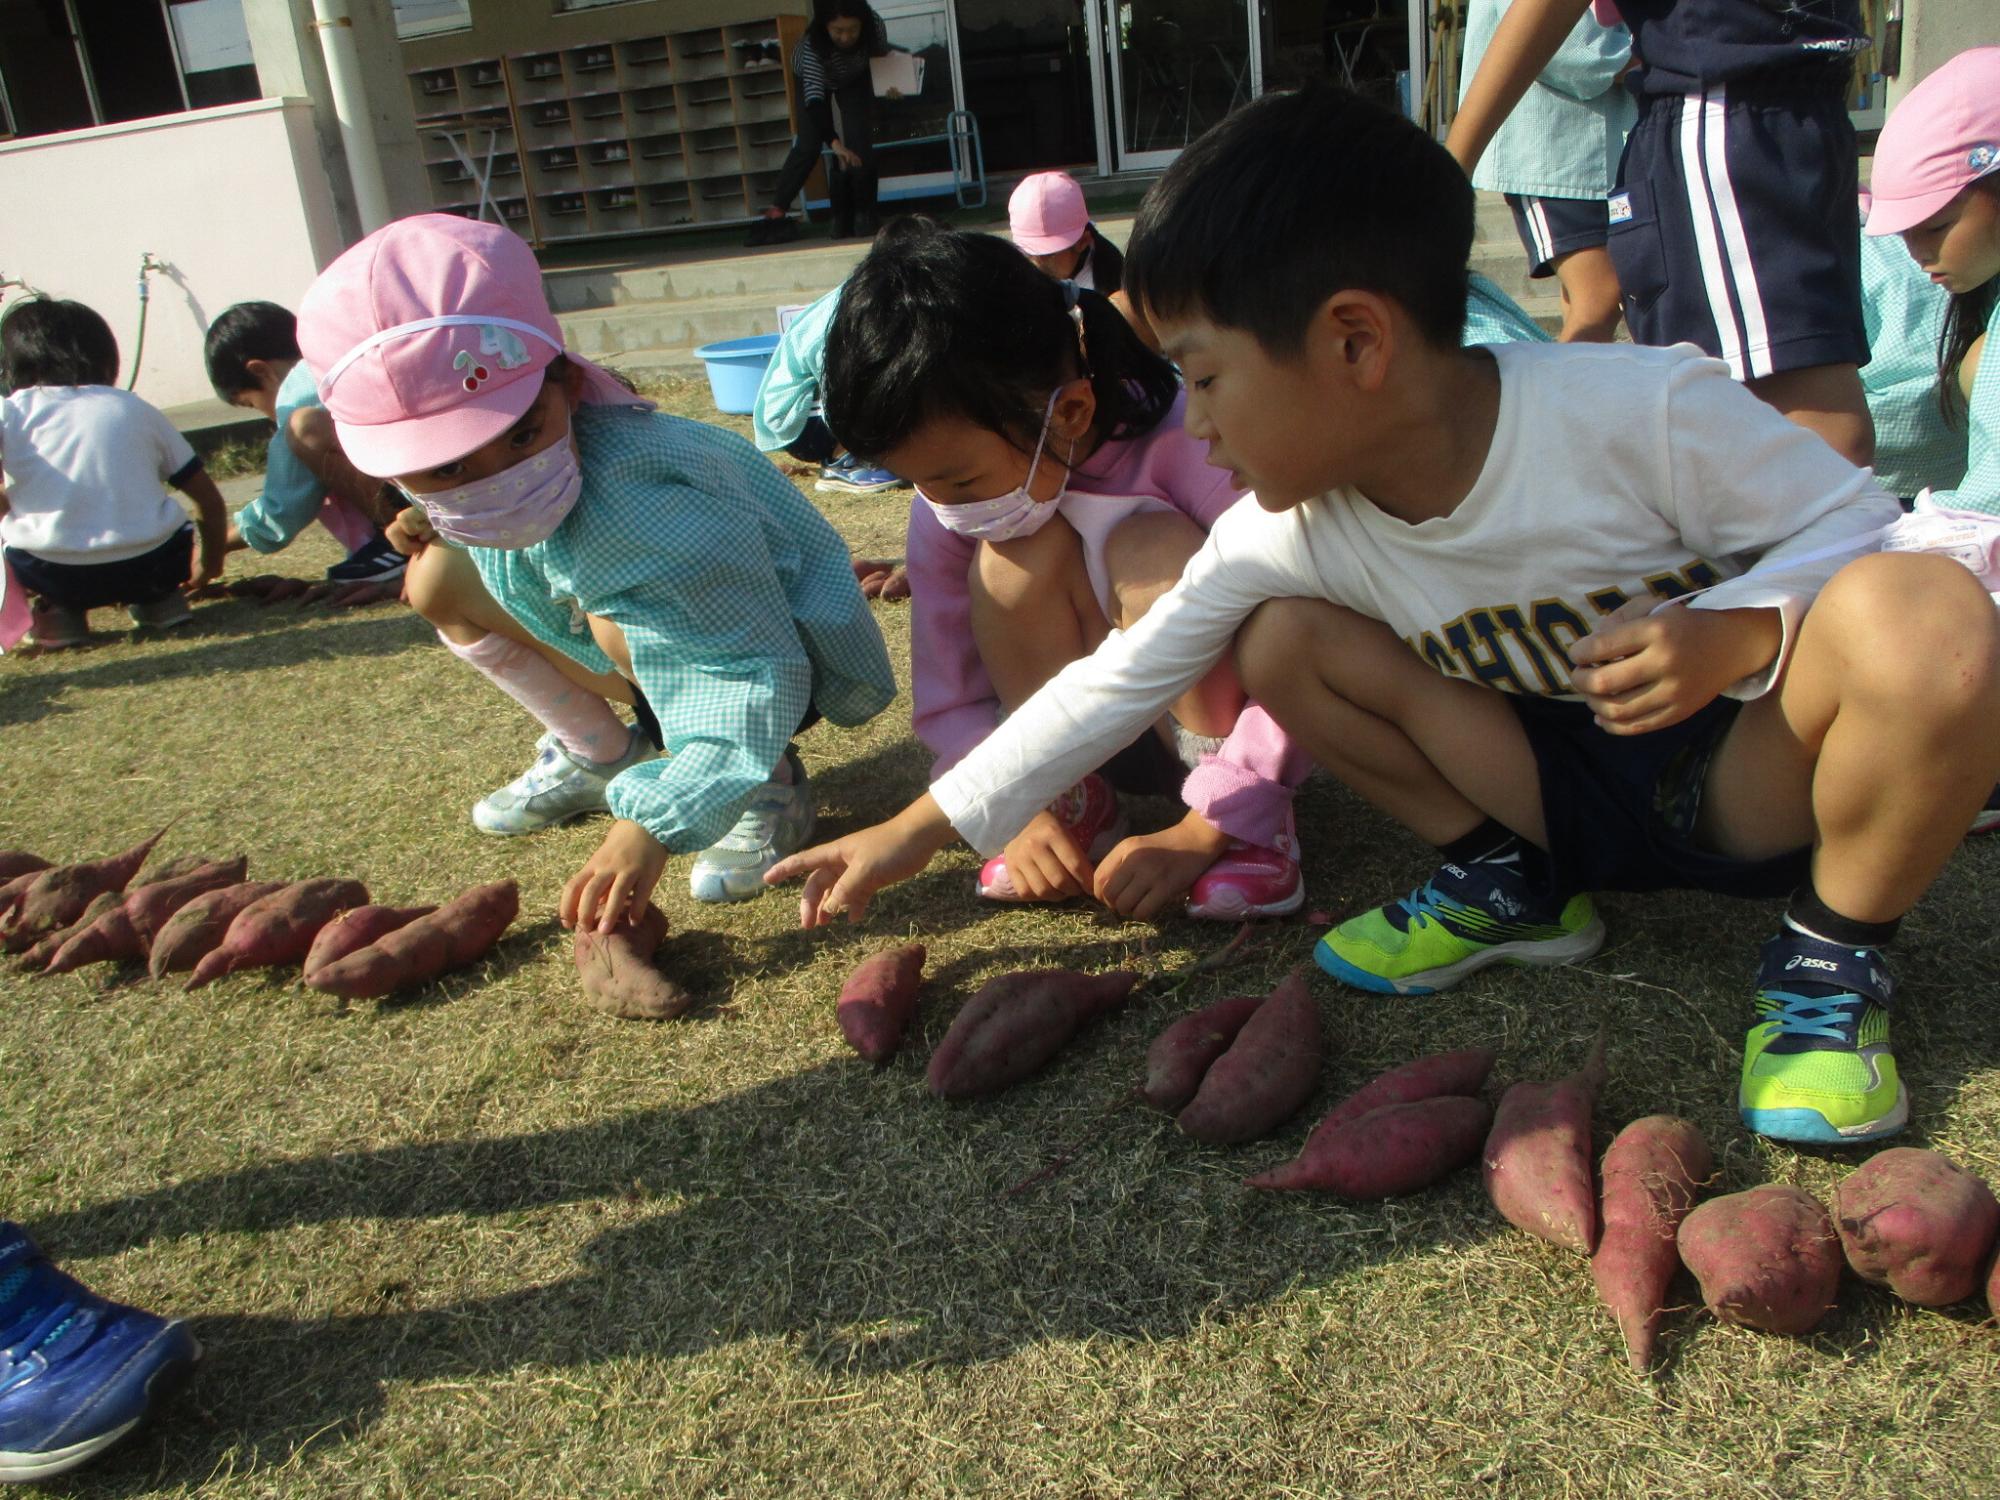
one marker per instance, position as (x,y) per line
(1553,227)
(1730,229)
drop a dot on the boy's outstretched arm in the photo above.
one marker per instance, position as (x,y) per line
(211,525)
(1524,41)
(842,876)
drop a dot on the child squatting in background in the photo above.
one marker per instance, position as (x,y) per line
(85,515)
(1500,594)
(565,534)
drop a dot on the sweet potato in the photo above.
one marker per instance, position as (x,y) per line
(278,928)
(256,586)
(173,869)
(1767,1258)
(354,929)
(191,933)
(37,956)
(148,906)
(1015,1024)
(619,976)
(456,934)
(1424,1078)
(878,1000)
(358,595)
(1269,1071)
(13,890)
(19,862)
(1650,1175)
(313,593)
(1918,1224)
(110,938)
(1182,1053)
(283,589)
(57,897)
(1397,1149)
(1538,1157)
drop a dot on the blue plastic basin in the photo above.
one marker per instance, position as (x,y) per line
(735,370)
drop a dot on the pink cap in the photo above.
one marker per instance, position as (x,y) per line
(1046,213)
(1943,136)
(429,339)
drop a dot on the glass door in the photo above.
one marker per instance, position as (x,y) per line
(1176,67)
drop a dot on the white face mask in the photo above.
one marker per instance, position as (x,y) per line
(1014,514)
(515,508)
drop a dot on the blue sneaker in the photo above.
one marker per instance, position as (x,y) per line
(76,1372)
(847,475)
(1817,1066)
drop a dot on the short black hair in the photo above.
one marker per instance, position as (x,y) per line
(1295,197)
(247,331)
(49,341)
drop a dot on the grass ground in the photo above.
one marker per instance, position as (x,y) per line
(486,1242)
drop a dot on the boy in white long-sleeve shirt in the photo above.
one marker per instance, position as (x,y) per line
(1449,590)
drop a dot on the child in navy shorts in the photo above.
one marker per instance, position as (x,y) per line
(1732,226)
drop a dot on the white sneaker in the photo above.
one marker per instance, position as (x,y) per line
(778,821)
(555,789)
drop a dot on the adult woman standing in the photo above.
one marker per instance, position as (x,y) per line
(831,62)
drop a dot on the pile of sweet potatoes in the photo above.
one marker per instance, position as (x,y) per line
(272,588)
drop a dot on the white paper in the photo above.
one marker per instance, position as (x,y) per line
(898,73)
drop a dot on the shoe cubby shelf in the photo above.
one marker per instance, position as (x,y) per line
(646,134)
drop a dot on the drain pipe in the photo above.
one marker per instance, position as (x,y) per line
(350,109)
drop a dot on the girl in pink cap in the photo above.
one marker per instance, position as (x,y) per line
(576,546)
(1937,184)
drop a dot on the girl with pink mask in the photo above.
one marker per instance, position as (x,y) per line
(579,548)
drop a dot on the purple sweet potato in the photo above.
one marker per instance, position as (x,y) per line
(456,934)
(1650,1175)
(57,897)
(354,929)
(1768,1258)
(1182,1053)
(1425,1078)
(878,1000)
(1538,1157)
(1269,1071)
(191,933)
(110,938)
(1397,1149)
(283,589)
(148,906)
(173,869)
(37,956)
(19,862)
(619,976)
(12,890)
(1015,1024)
(1918,1224)
(278,928)
(360,595)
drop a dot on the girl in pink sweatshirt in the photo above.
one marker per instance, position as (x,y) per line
(1057,498)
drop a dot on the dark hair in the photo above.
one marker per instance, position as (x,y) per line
(954,323)
(1293,198)
(1964,321)
(842,10)
(247,331)
(48,341)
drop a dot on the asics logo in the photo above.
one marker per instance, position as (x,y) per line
(1455,870)
(1800,961)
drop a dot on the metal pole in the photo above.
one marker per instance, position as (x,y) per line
(350,109)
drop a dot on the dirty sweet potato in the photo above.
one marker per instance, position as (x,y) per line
(11,892)
(1184,1052)
(283,589)
(354,929)
(19,862)
(109,938)
(360,595)
(1267,1074)
(57,897)
(256,586)
(1650,1174)
(1918,1224)
(878,1000)
(1538,1157)
(1397,1149)
(191,933)
(37,956)
(148,906)
(458,933)
(1425,1078)
(1015,1023)
(278,928)
(1767,1258)
(619,976)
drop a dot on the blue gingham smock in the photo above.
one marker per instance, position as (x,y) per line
(735,596)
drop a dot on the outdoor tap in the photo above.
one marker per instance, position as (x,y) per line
(149,263)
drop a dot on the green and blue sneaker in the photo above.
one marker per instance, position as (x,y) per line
(1457,922)
(1817,1066)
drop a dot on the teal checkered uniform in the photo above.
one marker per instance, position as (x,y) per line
(1915,448)
(1493,317)
(735,596)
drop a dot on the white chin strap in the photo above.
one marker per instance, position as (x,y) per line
(424,325)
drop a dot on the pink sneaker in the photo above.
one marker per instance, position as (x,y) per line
(1247,882)
(1091,814)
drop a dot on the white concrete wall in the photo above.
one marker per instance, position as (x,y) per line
(234,199)
(1935,31)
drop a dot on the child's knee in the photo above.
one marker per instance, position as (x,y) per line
(1145,555)
(1028,572)
(433,587)
(1919,625)
(1270,645)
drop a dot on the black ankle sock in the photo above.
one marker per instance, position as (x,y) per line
(1494,843)
(1808,914)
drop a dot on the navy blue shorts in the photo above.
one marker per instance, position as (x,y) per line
(1733,228)
(1553,227)
(1620,809)
(145,579)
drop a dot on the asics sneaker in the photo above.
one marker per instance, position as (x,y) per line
(778,821)
(1817,1066)
(76,1372)
(1454,924)
(374,561)
(554,789)
(1089,813)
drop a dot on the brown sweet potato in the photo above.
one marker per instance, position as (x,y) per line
(1397,1149)
(37,956)
(148,906)
(256,586)
(1650,1175)
(359,595)
(197,928)
(19,862)
(283,589)
(278,928)
(1767,1258)
(1015,1024)
(1182,1053)
(878,1000)
(1269,1071)
(57,897)
(173,869)
(619,976)
(456,934)
(13,890)
(314,593)
(1538,1157)
(1425,1078)
(897,584)
(1918,1224)
(354,929)
(110,938)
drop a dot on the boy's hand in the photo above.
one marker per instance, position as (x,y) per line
(1044,863)
(411,531)
(843,875)
(616,883)
(1151,873)
(1640,670)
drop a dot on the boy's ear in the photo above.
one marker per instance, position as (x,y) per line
(260,371)
(1355,332)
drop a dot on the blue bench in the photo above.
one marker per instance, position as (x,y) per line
(960,138)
